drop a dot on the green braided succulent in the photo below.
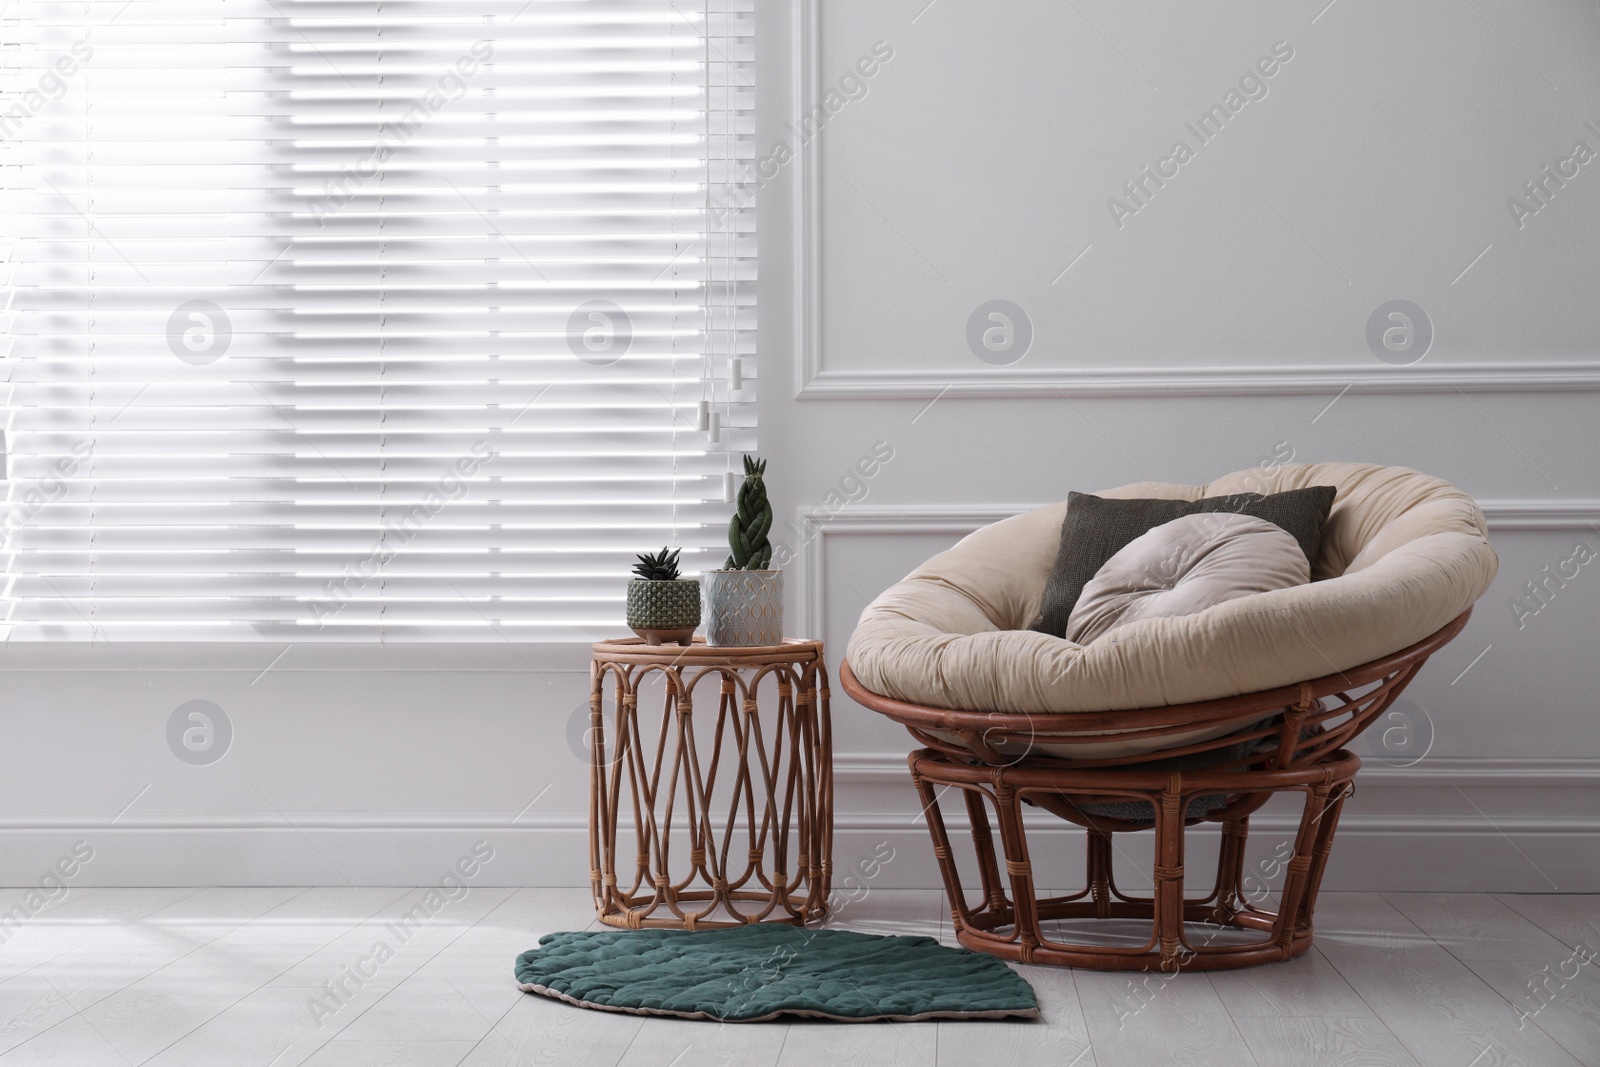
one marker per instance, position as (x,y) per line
(747,532)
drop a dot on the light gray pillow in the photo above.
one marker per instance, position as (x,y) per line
(1184,567)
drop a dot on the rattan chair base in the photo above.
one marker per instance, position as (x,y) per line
(1009,918)
(1094,958)
(1287,740)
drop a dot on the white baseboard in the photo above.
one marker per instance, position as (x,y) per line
(1445,824)
(1373,853)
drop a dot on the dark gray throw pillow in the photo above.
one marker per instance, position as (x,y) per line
(1097,528)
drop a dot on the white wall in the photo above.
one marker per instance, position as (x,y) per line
(1212,331)
(1215,326)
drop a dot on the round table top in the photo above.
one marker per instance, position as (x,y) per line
(636,650)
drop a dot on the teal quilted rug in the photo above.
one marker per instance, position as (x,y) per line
(760,972)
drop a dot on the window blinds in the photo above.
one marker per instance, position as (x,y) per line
(399,320)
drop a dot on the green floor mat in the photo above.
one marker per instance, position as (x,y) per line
(754,973)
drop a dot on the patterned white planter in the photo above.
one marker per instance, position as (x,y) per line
(744,608)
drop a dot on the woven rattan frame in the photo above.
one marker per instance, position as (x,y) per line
(1297,736)
(781,801)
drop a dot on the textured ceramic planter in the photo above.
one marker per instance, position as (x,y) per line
(744,608)
(664,612)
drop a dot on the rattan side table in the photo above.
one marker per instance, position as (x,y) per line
(730,800)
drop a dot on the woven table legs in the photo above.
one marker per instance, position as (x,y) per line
(714,812)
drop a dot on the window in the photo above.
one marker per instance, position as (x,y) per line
(399,320)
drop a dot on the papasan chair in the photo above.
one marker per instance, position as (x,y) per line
(1163,723)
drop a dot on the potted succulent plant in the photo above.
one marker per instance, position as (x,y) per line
(745,598)
(662,607)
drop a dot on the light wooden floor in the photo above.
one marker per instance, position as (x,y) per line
(223,977)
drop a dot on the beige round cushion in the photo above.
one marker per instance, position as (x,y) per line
(1183,567)
(1402,555)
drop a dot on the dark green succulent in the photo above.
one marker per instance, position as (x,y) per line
(658,566)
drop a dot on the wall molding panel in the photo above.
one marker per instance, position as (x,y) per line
(1408,828)
(815,381)
(872,520)
(878,520)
